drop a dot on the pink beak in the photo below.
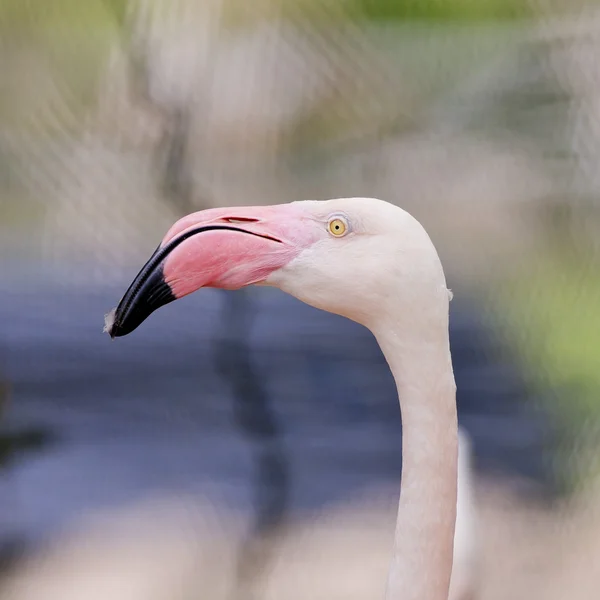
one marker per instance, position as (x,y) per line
(220,248)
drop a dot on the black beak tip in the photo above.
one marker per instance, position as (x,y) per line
(145,295)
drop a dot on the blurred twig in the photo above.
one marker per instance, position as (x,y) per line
(171,154)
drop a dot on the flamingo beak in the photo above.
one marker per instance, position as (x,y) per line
(219,248)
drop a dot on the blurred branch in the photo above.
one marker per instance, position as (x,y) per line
(171,154)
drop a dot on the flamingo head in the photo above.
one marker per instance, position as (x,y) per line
(345,256)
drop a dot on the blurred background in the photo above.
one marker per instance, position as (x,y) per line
(242,444)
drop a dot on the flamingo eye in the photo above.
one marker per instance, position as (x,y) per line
(337,227)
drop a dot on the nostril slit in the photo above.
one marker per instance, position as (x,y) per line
(240,220)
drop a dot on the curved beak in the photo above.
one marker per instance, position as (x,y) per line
(220,248)
(147,292)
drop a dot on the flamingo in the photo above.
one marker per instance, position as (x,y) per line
(367,260)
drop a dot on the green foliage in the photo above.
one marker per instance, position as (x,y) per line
(442,10)
(554,319)
(20,13)
(116,8)
(559,325)
(66,42)
(41,14)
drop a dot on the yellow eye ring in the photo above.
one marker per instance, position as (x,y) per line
(337,227)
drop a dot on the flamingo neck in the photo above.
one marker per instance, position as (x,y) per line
(419,358)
